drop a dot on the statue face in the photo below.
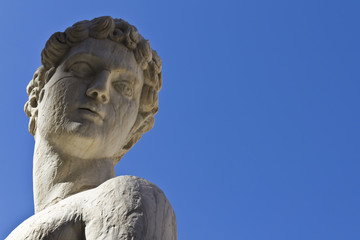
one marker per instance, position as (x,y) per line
(91,102)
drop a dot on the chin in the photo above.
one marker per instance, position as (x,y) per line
(83,129)
(76,139)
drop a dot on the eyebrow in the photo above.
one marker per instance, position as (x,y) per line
(78,56)
(124,72)
(98,61)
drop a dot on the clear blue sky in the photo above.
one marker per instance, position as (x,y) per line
(258,131)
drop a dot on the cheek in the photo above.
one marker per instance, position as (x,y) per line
(65,91)
(119,125)
(54,96)
(51,109)
(123,118)
(58,100)
(126,112)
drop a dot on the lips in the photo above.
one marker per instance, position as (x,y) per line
(92,111)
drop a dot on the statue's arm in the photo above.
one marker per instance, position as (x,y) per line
(61,221)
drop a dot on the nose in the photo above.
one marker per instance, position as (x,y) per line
(99,88)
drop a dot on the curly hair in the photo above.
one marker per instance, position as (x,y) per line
(120,31)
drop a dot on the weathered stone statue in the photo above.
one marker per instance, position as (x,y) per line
(94,96)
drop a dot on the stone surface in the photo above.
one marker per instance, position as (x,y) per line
(125,207)
(94,96)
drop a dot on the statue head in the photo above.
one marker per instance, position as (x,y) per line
(98,85)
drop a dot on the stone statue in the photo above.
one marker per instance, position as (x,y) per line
(94,96)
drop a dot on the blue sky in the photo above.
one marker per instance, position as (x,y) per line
(258,131)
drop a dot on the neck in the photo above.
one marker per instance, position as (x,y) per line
(57,175)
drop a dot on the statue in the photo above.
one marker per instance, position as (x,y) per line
(94,96)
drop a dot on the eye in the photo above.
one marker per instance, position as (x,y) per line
(81,69)
(124,87)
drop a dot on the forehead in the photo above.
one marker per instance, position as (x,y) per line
(105,53)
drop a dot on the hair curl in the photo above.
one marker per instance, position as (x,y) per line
(116,30)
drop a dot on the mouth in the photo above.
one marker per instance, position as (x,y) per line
(91,112)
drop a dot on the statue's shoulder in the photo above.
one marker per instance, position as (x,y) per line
(130,193)
(128,184)
(130,207)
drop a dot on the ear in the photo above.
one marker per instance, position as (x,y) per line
(31,110)
(32,125)
(34,112)
(31,106)
(41,95)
